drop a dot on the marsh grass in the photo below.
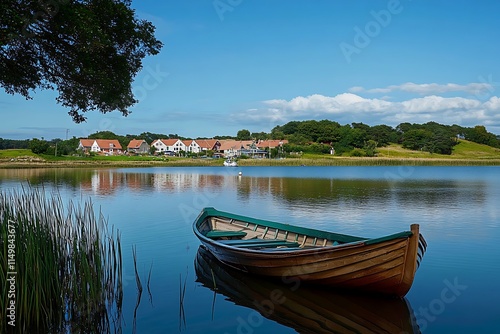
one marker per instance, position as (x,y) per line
(68,265)
(374,161)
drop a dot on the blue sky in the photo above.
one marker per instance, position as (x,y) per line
(228,65)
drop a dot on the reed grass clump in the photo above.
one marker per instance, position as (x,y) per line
(66,268)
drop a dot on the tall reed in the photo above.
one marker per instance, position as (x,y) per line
(68,265)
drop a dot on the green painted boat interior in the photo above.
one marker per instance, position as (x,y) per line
(260,243)
(225,234)
(273,234)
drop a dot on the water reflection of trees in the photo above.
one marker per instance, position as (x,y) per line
(439,193)
(290,191)
(109,181)
(361,192)
(58,176)
(310,190)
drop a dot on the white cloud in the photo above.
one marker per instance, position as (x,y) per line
(356,89)
(348,107)
(438,104)
(493,104)
(341,103)
(474,88)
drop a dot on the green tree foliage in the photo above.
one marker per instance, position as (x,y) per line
(323,131)
(289,128)
(148,136)
(416,139)
(38,146)
(404,127)
(88,50)
(438,141)
(383,135)
(12,144)
(123,140)
(64,147)
(277,134)
(260,135)
(370,148)
(223,137)
(298,139)
(441,143)
(361,126)
(479,135)
(103,135)
(431,137)
(349,138)
(243,135)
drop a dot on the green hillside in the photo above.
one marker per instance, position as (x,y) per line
(463,150)
(15,153)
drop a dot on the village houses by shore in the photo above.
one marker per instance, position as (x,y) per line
(174,147)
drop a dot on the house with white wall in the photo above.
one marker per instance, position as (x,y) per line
(102,146)
(168,145)
(208,144)
(191,146)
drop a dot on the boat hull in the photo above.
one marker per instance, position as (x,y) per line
(385,267)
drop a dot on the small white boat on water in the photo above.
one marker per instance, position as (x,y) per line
(230,163)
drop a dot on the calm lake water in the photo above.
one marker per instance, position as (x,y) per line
(455,289)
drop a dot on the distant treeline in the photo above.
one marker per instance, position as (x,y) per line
(308,136)
(12,143)
(362,139)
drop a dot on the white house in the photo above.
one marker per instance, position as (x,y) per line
(168,145)
(208,144)
(104,146)
(192,146)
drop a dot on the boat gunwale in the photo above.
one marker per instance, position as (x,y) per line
(358,241)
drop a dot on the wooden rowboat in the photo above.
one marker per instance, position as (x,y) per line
(384,265)
(306,309)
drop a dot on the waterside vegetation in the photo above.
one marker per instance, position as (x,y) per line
(464,152)
(64,265)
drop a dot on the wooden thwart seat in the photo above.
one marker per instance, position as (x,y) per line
(225,234)
(260,243)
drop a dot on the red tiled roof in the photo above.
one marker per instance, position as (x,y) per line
(102,143)
(135,143)
(234,144)
(87,142)
(106,143)
(167,142)
(206,143)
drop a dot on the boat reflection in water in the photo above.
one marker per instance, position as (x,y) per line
(304,308)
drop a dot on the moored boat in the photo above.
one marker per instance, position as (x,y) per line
(384,265)
(230,163)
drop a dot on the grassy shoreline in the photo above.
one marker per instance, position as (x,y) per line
(186,162)
(464,154)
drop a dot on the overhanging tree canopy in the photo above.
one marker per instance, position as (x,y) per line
(88,50)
